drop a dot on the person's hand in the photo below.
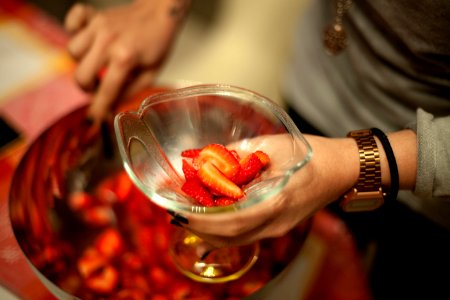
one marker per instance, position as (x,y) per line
(124,46)
(333,169)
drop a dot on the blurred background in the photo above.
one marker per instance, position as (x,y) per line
(244,43)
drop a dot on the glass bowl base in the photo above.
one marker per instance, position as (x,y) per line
(195,259)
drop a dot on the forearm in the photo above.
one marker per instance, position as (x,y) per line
(336,165)
(404,145)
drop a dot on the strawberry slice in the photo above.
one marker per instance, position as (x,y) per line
(250,167)
(224,201)
(109,243)
(104,281)
(235,154)
(211,177)
(263,157)
(188,170)
(221,158)
(190,153)
(196,190)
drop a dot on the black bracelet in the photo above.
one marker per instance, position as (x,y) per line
(393,169)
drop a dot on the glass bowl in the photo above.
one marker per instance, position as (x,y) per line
(151,141)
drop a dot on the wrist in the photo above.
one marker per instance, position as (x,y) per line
(335,165)
(404,147)
(379,172)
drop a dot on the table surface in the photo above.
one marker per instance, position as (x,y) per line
(36,89)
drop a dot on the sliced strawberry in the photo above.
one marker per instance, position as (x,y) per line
(131,261)
(80,200)
(263,157)
(109,243)
(188,170)
(224,201)
(124,186)
(210,176)
(159,277)
(250,167)
(190,153)
(196,190)
(97,216)
(221,158)
(104,281)
(90,262)
(235,154)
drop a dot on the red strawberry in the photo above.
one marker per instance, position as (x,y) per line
(250,167)
(98,216)
(221,158)
(190,153)
(224,201)
(211,177)
(196,190)
(159,277)
(235,154)
(80,200)
(104,281)
(124,186)
(188,170)
(90,262)
(263,157)
(131,261)
(109,243)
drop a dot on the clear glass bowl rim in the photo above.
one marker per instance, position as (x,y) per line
(211,89)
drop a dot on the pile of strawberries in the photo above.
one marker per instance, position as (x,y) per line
(116,246)
(216,176)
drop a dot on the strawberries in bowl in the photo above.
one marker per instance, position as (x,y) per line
(216,176)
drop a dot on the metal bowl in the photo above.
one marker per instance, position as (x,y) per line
(58,232)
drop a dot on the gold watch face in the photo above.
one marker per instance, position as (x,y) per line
(355,201)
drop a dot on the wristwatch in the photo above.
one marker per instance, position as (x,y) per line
(367,194)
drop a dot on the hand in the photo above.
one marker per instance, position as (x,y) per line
(308,190)
(127,43)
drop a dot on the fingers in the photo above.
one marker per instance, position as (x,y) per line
(78,16)
(138,82)
(247,237)
(95,59)
(235,223)
(110,87)
(80,44)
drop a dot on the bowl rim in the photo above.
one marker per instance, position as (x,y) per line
(207,89)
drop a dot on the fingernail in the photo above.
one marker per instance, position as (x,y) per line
(175,223)
(177,217)
(205,255)
(181,219)
(107,141)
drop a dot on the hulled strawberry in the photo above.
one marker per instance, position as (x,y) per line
(221,158)
(215,175)
(251,165)
(188,170)
(263,157)
(224,201)
(196,190)
(215,180)
(190,153)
